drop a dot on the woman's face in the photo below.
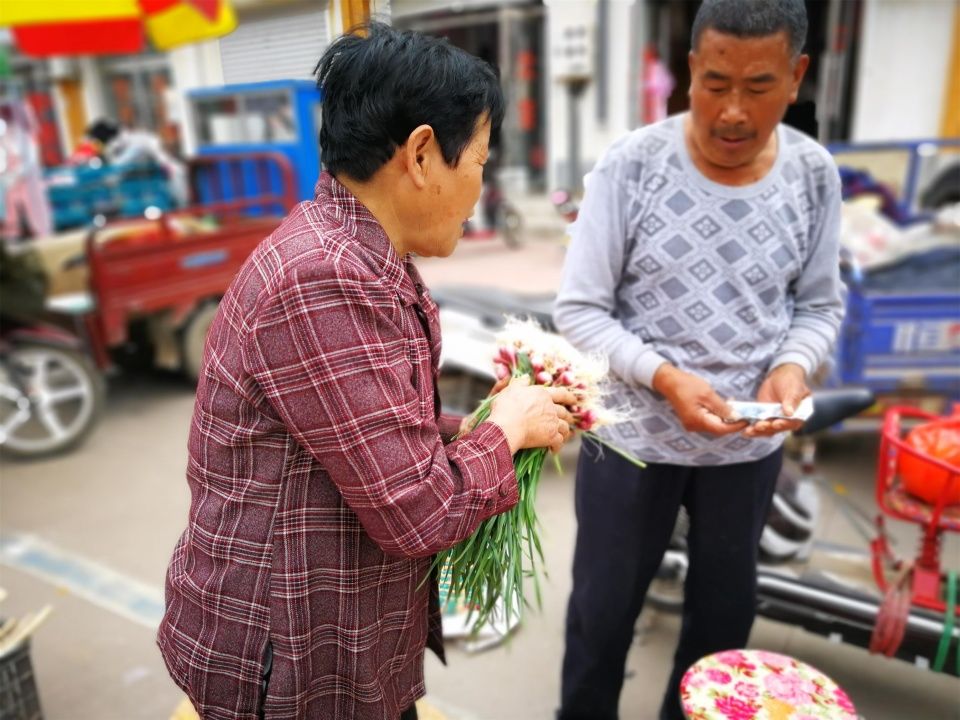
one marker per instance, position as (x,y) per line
(451,195)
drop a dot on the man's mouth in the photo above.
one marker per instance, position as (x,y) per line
(733,140)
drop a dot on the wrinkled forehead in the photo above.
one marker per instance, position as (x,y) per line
(744,55)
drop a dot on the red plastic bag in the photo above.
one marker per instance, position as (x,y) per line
(940,440)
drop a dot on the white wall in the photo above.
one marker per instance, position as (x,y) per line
(901,72)
(595,134)
(193,66)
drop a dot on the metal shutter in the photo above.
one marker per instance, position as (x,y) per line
(276,48)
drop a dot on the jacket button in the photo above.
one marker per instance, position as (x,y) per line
(503,490)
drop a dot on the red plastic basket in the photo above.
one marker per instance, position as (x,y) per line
(893,494)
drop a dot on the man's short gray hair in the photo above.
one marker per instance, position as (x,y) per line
(753,18)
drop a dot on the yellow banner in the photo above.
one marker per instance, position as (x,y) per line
(34,12)
(183,24)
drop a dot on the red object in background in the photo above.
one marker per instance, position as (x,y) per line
(941,440)
(527,114)
(526,66)
(657,85)
(48,137)
(80,37)
(120,30)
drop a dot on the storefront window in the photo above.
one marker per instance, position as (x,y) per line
(136,94)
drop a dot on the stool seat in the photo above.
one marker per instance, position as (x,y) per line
(761,685)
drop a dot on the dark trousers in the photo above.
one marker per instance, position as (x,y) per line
(625,518)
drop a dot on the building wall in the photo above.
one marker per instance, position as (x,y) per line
(903,63)
(193,66)
(620,48)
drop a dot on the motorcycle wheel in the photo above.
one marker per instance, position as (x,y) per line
(511,226)
(63,400)
(666,591)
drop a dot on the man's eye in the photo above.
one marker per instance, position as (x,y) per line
(716,90)
(759,91)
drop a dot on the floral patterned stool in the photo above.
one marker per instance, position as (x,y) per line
(759,685)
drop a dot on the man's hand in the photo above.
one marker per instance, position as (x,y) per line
(787,385)
(697,405)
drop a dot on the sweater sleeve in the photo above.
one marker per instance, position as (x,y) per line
(594,268)
(818,293)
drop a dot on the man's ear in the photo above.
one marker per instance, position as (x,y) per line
(417,154)
(799,69)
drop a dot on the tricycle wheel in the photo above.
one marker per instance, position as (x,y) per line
(50,399)
(195,337)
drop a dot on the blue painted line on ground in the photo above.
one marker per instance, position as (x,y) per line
(96,583)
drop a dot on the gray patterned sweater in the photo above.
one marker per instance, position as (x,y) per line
(724,282)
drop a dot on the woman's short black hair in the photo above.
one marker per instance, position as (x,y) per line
(376,89)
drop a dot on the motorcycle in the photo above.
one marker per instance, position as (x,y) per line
(499,216)
(51,395)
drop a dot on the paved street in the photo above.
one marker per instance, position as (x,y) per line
(91,533)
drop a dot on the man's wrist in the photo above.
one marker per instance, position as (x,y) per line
(790,368)
(665,378)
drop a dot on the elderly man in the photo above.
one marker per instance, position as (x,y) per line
(322,473)
(705,264)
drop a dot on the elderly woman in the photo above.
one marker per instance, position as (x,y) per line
(322,473)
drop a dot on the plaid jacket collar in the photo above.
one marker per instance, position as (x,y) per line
(399,274)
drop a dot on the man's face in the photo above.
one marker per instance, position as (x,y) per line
(739,90)
(452,194)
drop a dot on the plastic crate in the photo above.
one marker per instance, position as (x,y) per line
(19,699)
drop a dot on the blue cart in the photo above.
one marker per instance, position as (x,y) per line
(901,335)
(278,117)
(904,342)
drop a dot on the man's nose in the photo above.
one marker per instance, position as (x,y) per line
(733,111)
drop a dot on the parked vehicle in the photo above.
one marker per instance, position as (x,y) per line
(280,117)
(913,178)
(51,393)
(155,281)
(497,216)
(50,390)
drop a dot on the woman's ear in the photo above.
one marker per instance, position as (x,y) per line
(418,156)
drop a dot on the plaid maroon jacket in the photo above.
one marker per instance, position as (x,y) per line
(321,484)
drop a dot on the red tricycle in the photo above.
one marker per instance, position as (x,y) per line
(164,274)
(156,279)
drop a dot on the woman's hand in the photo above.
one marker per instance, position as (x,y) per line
(534,416)
(466,425)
